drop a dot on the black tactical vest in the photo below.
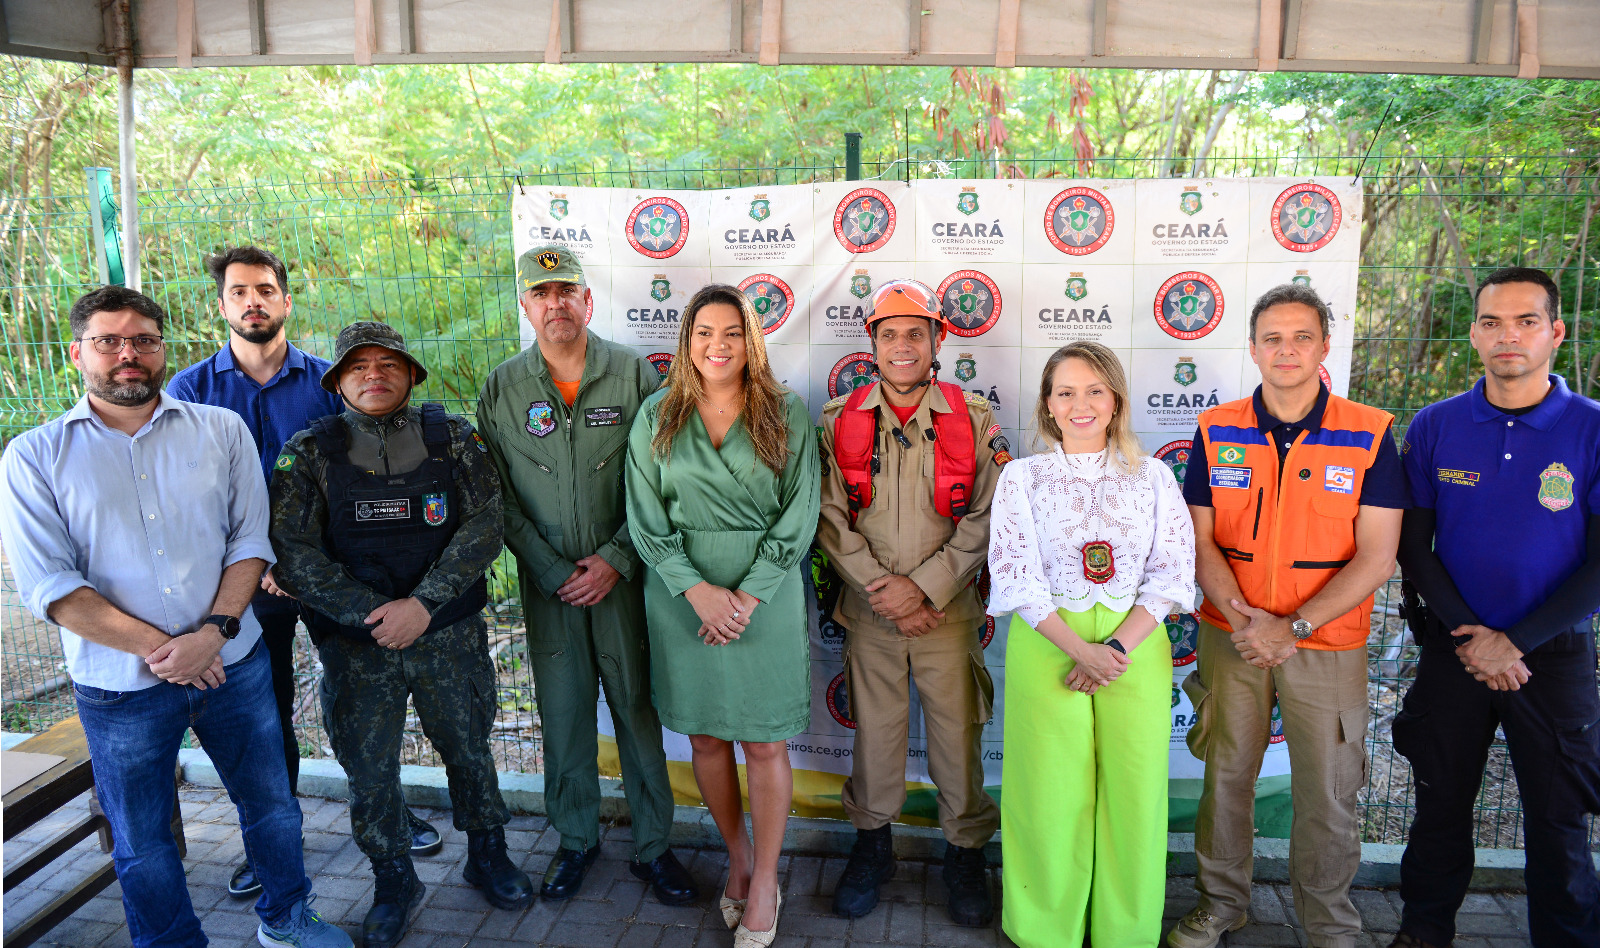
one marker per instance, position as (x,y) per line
(388,530)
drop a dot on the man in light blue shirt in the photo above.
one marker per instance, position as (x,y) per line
(138,523)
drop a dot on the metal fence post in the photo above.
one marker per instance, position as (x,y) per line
(852,156)
(102,203)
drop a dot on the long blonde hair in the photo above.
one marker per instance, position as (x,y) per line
(1125,449)
(761,400)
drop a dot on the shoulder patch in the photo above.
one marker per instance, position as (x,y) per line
(836,403)
(477,442)
(285,461)
(974,399)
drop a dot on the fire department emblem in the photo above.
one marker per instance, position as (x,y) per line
(541,419)
(971,302)
(966,367)
(1175,455)
(967,203)
(1305,217)
(861,285)
(1275,735)
(434,509)
(760,208)
(850,373)
(1185,373)
(864,220)
(660,288)
(558,206)
(1189,202)
(1099,563)
(1078,221)
(661,360)
(838,698)
(1077,287)
(1183,632)
(1555,487)
(772,299)
(658,227)
(1189,305)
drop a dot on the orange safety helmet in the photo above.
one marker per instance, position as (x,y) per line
(907,298)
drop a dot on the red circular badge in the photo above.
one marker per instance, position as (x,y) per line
(1188,305)
(1305,217)
(658,227)
(864,220)
(971,302)
(838,698)
(772,299)
(850,373)
(1327,380)
(1078,221)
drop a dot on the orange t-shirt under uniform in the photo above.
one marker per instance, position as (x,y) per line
(569,391)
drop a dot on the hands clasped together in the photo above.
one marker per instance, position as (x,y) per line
(724,613)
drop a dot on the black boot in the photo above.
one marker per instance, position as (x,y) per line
(396,895)
(871,863)
(966,875)
(491,870)
(425,840)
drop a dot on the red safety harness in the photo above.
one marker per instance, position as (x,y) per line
(855,443)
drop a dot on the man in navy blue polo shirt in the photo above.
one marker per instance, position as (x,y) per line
(277,389)
(1503,545)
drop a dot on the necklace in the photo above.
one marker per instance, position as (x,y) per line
(721,411)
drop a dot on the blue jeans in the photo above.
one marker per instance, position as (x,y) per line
(133,742)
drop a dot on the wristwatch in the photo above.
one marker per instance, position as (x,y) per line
(1301,628)
(227,625)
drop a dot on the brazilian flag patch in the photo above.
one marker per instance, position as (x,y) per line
(285,461)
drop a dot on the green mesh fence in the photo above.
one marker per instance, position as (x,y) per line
(432,255)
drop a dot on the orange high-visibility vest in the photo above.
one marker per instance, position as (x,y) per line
(1284,538)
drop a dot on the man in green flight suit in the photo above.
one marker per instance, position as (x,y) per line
(384,519)
(556,419)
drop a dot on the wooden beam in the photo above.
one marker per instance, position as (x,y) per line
(185,11)
(258,26)
(408,26)
(914,28)
(1482,30)
(1269,43)
(1291,29)
(1005,41)
(366,32)
(771,32)
(552,43)
(735,26)
(1097,29)
(1528,39)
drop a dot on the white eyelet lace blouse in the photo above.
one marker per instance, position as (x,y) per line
(1049,507)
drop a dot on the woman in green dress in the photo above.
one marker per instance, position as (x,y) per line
(723,486)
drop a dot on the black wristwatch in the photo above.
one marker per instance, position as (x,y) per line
(227,625)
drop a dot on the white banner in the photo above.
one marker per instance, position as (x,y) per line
(1162,271)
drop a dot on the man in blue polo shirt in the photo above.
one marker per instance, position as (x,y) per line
(277,389)
(1503,545)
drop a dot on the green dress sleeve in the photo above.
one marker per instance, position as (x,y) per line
(658,542)
(788,539)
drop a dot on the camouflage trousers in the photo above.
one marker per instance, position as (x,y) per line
(450,680)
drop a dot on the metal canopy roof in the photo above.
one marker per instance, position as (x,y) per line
(1553,38)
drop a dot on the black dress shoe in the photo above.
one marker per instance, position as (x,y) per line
(244,883)
(425,840)
(565,876)
(667,878)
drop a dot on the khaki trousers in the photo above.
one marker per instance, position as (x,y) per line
(1323,698)
(957,699)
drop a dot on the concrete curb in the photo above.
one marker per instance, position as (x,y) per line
(1496,869)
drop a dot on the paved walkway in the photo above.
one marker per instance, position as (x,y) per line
(614,909)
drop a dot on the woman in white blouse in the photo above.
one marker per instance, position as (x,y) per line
(1090,547)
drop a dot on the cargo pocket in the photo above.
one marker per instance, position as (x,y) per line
(1353,743)
(1200,728)
(983,705)
(484,703)
(1578,743)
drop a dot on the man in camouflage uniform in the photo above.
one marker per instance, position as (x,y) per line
(384,519)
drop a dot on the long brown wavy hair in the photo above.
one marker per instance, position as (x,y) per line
(1125,451)
(761,401)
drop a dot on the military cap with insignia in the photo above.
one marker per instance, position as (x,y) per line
(366,333)
(547,263)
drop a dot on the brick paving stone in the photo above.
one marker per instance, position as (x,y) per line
(1266,908)
(1481,903)
(449,921)
(1274,936)
(677,936)
(229,924)
(873,927)
(1486,924)
(956,936)
(828,925)
(829,943)
(576,935)
(1376,912)
(905,921)
(640,936)
(537,920)
(1286,896)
